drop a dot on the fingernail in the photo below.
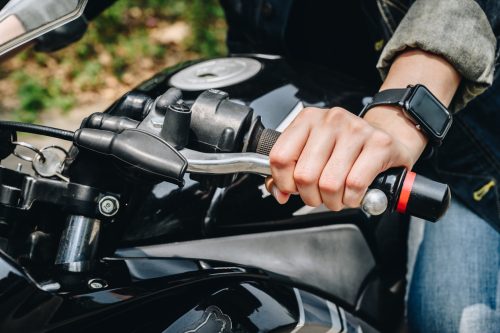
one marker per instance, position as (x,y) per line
(281,197)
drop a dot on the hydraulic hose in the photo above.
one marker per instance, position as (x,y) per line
(37,129)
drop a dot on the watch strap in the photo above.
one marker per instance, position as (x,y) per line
(400,97)
(387,97)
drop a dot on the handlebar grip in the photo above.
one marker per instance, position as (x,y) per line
(406,192)
(422,197)
(266,141)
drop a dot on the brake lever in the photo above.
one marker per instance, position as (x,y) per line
(226,163)
(374,202)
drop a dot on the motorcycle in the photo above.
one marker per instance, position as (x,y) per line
(157,218)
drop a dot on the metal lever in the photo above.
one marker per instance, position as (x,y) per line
(226,163)
(374,202)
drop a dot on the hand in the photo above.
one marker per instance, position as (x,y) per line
(332,156)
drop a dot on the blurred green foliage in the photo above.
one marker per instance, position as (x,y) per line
(114,44)
(35,97)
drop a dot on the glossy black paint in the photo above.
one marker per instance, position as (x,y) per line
(152,295)
(272,93)
(164,295)
(158,295)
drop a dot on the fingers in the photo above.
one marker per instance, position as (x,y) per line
(373,159)
(332,157)
(311,163)
(287,150)
(281,197)
(333,177)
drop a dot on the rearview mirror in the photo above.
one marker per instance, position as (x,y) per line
(24,20)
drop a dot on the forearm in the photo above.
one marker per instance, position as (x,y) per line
(412,67)
(10,28)
(460,31)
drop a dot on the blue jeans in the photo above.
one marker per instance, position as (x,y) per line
(455,279)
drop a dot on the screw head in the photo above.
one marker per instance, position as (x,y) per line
(96,284)
(109,206)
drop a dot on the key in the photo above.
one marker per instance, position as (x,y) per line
(50,162)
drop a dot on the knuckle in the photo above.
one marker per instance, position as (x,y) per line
(382,139)
(329,186)
(335,114)
(304,177)
(355,183)
(279,159)
(333,206)
(308,112)
(357,126)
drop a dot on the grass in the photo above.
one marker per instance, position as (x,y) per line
(118,51)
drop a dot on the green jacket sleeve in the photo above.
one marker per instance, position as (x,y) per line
(459,31)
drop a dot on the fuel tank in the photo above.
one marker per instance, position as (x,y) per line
(201,259)
(334,253)
(276,90)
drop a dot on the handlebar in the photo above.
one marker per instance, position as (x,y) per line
(218,130)
(397,189)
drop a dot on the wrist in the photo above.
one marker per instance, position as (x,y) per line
(413,67)
(419,67)
(393,121)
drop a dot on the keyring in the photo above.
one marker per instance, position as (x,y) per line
(30,147)
(61,149)
(55,147)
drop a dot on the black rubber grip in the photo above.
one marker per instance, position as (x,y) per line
(427,199)
(266,141)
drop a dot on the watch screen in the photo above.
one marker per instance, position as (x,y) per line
(431,112)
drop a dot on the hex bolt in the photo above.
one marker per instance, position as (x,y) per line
(109,206)
(96,284)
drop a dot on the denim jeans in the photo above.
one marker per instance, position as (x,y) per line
(453,266)
(454,281)
(469,159)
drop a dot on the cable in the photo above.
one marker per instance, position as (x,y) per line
(38,129)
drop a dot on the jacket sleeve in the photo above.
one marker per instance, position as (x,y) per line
(33,14)
(461,31)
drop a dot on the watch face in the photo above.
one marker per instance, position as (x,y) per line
(431,113)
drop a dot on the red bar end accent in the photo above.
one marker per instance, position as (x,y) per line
(404,196)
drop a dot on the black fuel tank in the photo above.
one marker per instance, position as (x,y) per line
(277,91)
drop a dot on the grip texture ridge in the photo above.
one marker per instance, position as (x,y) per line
(266,141)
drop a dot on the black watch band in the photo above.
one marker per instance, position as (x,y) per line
(394,97)
(420,106)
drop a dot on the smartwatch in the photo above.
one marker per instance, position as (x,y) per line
(420,106)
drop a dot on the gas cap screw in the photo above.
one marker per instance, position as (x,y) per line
(109,206)
(96,284)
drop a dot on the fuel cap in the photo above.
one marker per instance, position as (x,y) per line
(215,73)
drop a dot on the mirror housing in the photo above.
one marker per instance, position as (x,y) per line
(10,17)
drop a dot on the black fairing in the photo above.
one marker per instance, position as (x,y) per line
(165,295)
